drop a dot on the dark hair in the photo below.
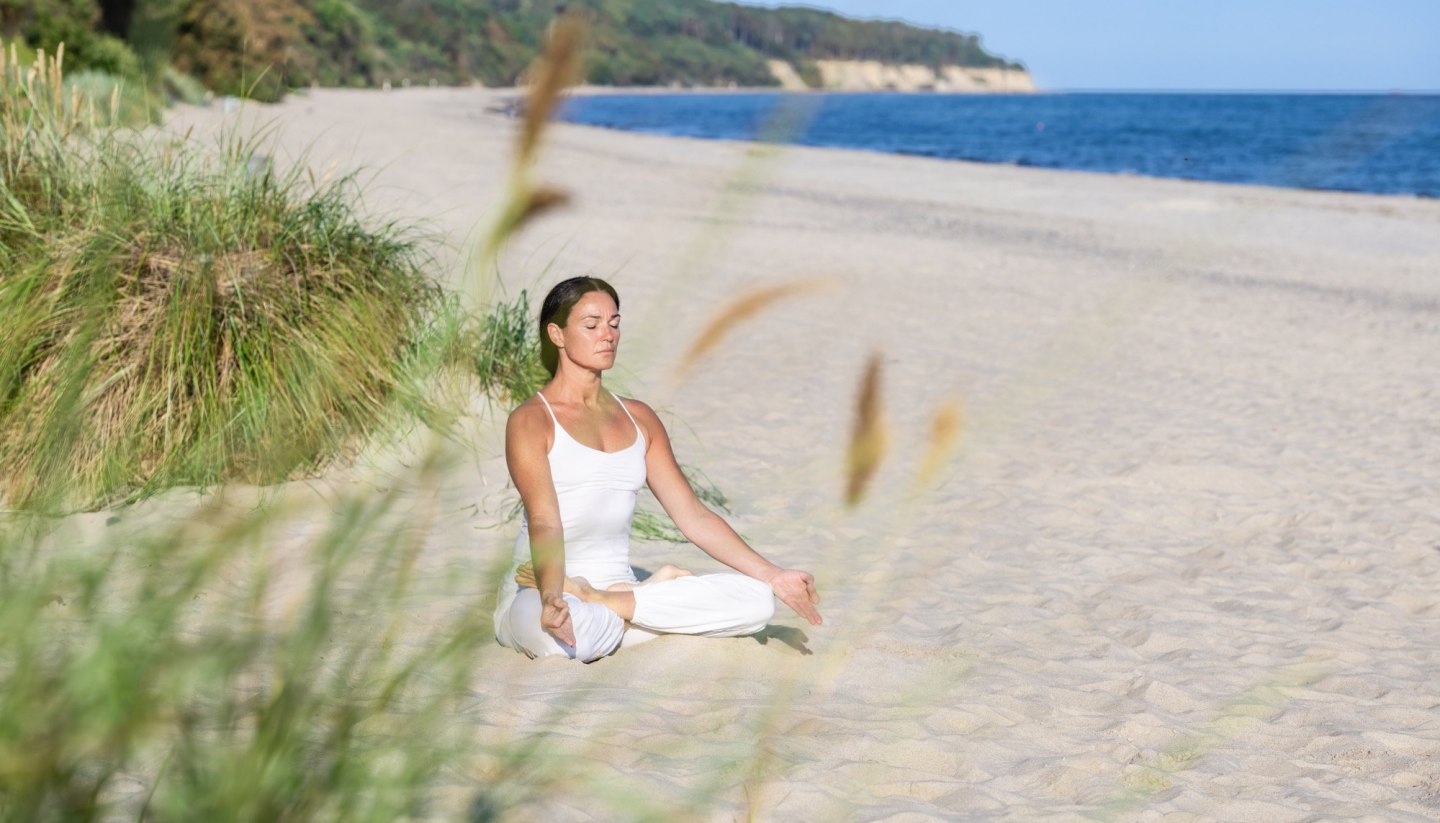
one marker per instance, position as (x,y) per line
(556,309)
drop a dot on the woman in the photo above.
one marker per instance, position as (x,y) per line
(578,454)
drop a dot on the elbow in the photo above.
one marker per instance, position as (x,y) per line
(697,524)
(543,530)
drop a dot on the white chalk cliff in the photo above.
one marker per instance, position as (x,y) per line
(873,75)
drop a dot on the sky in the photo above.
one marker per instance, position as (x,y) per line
(1331,45)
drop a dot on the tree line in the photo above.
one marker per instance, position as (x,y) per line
(262,48)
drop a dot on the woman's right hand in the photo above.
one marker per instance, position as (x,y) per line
(555,619)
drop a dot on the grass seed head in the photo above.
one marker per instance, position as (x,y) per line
(869,440)
(946,428)
(744,307)
(558,69)
(536,202)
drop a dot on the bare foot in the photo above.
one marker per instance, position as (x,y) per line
(620,602)
(525,576)
(581,588)
(577,586)
(668,572)
(660,575)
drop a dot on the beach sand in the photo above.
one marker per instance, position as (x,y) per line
(1184,565)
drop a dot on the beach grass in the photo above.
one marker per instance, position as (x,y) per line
(175,672)
(499,347)
(173,317)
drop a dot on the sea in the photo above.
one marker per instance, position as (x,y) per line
(1376,143)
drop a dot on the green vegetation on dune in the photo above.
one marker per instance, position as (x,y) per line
(171,318)
(648,42)
(501,349)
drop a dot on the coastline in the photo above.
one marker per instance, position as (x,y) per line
(591,90)
(1182,567)
(1245,154)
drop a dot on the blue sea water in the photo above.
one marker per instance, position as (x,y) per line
(1384,144)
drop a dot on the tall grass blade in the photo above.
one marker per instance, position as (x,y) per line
(552,73)
(556,70)
(738,311)
(869,439)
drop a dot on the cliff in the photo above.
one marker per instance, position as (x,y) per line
(874,75)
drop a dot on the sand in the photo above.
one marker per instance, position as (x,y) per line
(1184,565)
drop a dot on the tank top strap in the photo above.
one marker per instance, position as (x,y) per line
(638,431)
(553,418)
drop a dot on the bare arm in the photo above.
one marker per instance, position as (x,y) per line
(709,530)
(527,441)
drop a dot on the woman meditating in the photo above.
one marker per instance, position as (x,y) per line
(578,455)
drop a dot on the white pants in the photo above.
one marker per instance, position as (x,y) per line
(711,605)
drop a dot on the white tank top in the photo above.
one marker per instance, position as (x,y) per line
(596,492)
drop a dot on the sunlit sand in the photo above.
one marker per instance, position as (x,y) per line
(1181,564)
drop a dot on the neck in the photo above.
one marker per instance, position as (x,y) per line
(575,385)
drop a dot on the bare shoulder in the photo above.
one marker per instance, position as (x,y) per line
(528,419)
(644,415)
(640,409)
(637,407)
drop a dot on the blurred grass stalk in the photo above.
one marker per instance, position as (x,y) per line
(163,659)
(525,198)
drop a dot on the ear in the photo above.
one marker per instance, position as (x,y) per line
(557,335)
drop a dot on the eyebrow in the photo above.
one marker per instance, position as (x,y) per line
(598,317)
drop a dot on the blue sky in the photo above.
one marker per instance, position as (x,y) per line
(1187,44)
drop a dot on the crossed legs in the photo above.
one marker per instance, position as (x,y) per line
(618,598)
(671,601)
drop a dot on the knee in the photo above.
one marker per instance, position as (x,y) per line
(598,632)
(756,606)
(515,627)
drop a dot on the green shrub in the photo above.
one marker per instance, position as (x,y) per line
(502,350)
(108,54)
(191,319)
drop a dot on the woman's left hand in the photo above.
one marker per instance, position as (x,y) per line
(796,589)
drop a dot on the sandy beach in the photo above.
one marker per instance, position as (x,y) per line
(1183,565)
